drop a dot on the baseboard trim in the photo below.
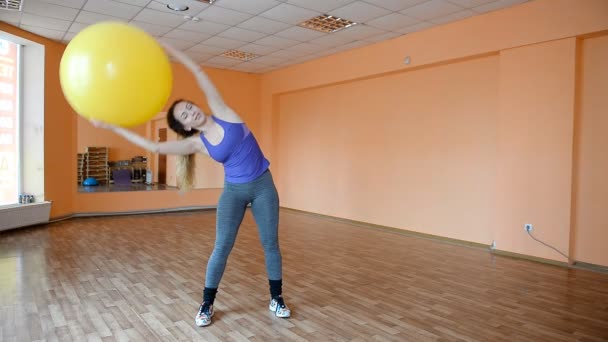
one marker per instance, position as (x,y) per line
(400,231)
(462,243)
(132,212)
(590,267)
(529,258)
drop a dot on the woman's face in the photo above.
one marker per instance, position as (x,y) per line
(189,115)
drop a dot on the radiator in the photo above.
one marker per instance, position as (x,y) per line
(21,215)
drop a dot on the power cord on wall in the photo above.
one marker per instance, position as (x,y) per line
(555,249)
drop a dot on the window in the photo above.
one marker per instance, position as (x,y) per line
(10,159)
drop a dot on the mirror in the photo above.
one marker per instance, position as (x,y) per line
(109,163)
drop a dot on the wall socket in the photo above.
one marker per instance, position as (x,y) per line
(528,227)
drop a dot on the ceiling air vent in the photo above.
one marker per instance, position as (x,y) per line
(327,23)
(11,5)
(240,55)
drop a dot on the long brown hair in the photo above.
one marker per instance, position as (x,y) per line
(185,163)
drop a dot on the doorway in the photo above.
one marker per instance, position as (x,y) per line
(162,159)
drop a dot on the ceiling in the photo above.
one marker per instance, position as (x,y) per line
(267,28)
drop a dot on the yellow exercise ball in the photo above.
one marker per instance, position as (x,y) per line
(116,73)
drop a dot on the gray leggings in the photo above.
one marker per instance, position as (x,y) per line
(264,199)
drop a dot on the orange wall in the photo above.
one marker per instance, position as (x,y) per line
(409,171)
(591,159)
(59,129)
(396,150)
(535,125)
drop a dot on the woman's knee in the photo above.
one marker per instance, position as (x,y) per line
(222,250)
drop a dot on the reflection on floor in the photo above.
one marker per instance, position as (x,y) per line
(122,187)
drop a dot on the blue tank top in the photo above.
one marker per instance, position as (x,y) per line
(239,152)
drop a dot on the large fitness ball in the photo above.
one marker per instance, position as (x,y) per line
(116,73)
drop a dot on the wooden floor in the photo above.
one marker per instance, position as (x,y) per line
(141,277)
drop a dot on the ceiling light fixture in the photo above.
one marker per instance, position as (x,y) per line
(178,7)
(327,23)
(11,5)
(240,55)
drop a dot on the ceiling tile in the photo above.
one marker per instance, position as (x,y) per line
(349,46)
(196,56)
(68,36)
(300,34)
(359,32)
(194,7)
(140,3)
(285,54)
(152,29)
(67,3)
(277,42)
(92,18)
(290,14)
(264,25)
(416,27)
(76,27)
(250,66)
(224,61)
(267,60)
(12,17)
(320,5)
(177,43)
(160,18)
(49,10)
(45,22)
(432,9)
(258,49)
(396,5)
(238,33)
(496,5)
(248,6)
(307,48)
(382,37)
(393,21)
(225,43)
(113,8)
(470,3)
(206,49)
(52,34)
(359,12)
(331,40)
(190,36)
(223,15)
(453,17)
(204,27)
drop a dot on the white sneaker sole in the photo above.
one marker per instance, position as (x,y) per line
(283,315)
(203,324)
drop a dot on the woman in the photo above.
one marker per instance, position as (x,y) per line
(225,138)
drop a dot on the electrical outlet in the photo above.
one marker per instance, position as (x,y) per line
(528,227)
(493,245)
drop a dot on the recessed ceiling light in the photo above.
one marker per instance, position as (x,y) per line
(240,55)
(177,7)
(327,23)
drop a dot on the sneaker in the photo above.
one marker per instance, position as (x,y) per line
(203,317)
(277,305)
